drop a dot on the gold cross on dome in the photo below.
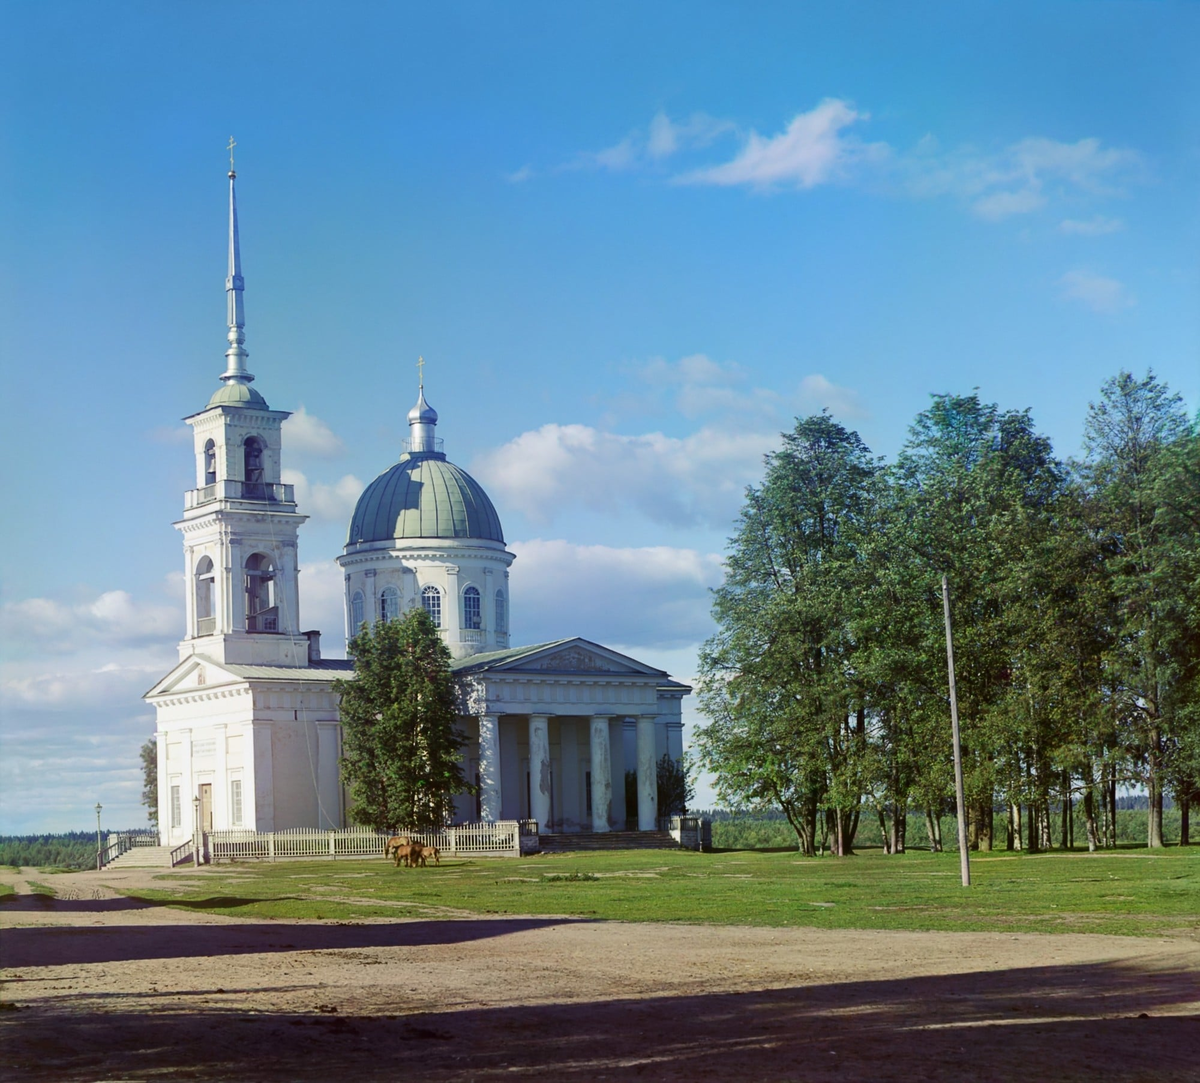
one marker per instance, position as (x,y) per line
(421,373)
(232,144)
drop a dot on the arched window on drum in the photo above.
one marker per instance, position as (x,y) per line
(357,612)
(501,613)
(431,599)
(389,604)
(472,610)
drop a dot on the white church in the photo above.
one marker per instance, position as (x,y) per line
(248,734)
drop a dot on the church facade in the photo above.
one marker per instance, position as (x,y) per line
(248,734)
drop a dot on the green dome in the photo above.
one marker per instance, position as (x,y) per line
(233,393)
(424,496)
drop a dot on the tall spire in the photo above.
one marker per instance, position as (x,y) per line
(235,356)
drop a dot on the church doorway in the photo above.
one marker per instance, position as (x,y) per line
(206,806)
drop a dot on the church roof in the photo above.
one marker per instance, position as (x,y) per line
(566,656)
(238,394)
(424,496)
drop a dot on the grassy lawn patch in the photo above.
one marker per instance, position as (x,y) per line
(1135,893)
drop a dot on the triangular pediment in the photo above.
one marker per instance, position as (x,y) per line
(576,657)
(192,674)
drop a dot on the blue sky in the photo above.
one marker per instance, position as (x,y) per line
(632,242)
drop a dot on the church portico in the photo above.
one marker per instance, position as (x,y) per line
(563,722)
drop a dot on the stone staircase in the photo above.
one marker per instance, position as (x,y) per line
(143,857)
(608,840)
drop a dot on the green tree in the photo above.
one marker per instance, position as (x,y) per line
(779,680)
(674,787)
(400,748)
(149,755)
(1128,438)
(977,491)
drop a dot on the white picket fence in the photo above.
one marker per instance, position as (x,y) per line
(504,838)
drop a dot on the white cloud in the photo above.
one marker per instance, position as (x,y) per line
(703,386)
(650,146)
(696,479)
(520,176)
(171,434)
(1097,292)
(812,150)
(820,147)
(656,596)
(305,434)
(322,604)
(1024,177)
(68,685)
(1092,227)
(1003,204)
(819,393)
(618,158)
(114,618)
(334,502)
(666,137)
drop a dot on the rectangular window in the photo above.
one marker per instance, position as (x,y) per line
(176,808)
(235,802)
(587,788)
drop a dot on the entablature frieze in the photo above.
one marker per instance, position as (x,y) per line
(438,554)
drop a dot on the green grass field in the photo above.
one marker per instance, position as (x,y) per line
(1129,892)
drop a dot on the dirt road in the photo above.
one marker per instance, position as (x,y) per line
(100,987)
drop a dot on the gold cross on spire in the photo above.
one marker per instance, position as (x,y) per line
(232,144)
(421,373)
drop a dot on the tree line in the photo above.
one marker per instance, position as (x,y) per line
(1075,597)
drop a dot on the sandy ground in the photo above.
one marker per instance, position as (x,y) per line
(99,987)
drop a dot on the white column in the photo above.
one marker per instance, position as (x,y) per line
(489,767)
(164,789)
(647,774)
(329,805)
(539,770)
(601,774)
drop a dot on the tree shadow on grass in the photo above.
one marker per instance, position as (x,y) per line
(51,945)
(1098,1021)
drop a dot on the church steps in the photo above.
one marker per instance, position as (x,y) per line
(143,857)
(607,840)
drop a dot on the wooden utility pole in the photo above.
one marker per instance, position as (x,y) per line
(964,857)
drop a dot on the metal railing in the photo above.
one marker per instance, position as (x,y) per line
(266,621)
(271,492)
(123,842)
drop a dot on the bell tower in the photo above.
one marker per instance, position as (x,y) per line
(239,524)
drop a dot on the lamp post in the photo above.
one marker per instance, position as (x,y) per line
(196,830)
(98,808)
